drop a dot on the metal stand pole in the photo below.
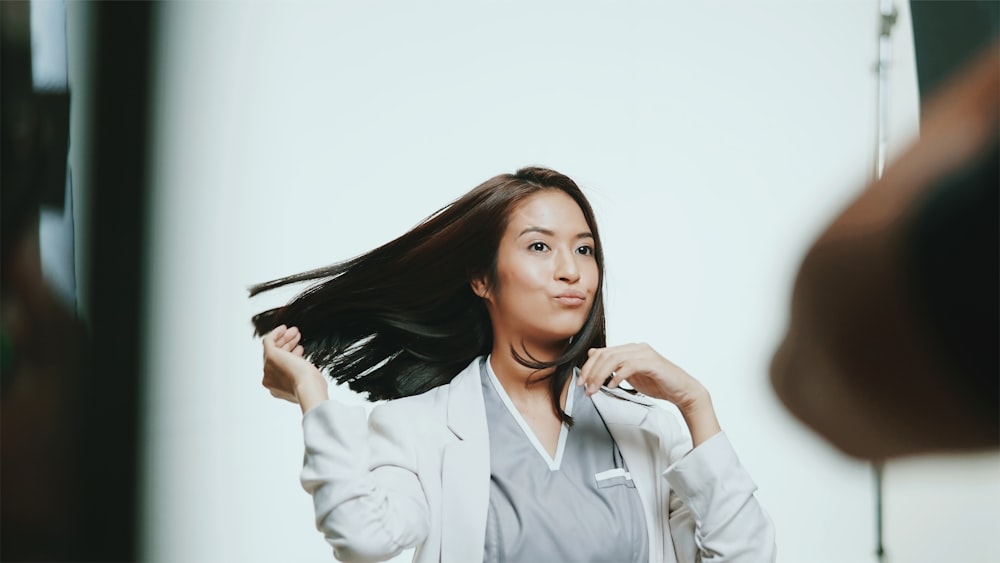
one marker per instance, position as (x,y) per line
(879,548)
(888,20)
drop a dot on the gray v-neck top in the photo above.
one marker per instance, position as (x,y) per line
(580,507)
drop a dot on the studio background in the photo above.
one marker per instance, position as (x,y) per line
(715,140)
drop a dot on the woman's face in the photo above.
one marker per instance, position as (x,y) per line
(547,273)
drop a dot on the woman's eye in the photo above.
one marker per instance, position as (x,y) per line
(539,246)
(585,250)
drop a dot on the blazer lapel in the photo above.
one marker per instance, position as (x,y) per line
(638,446)
(465,471)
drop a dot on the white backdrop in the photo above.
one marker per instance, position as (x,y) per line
(715,139)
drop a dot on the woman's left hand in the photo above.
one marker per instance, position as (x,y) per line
(653,375)
(645,369)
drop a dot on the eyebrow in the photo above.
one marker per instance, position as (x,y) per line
(548,232)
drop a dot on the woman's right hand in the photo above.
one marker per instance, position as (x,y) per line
(287,374)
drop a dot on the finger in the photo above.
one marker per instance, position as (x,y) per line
(285,337)
(614,370)
(621,374)
(296,338)
(597,371)
(600,369)
(292,337)
(593,356)
(272,336)
(597,382)
(299,351)
(628,362)
(270,346)
(289,341)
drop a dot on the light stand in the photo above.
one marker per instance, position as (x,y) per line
(888,19)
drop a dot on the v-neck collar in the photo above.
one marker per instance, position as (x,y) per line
(553,464)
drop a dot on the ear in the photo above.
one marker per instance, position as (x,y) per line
(480,287)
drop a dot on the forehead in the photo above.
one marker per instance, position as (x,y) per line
(554,210)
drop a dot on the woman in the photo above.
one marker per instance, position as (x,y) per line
(511,438)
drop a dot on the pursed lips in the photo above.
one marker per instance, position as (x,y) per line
(571,298)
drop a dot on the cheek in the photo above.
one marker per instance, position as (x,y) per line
(593,275)
(518,277)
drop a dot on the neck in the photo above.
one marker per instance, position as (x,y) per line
(522,382)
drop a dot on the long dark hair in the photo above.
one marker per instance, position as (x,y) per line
(403,319)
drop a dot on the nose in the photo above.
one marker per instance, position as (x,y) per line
(566,267)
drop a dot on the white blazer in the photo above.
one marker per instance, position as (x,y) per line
(416,473)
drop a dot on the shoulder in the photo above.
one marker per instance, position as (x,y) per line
(432,403)
(415,406)
(417,421)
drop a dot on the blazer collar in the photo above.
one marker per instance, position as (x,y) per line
(465,470)
(466,411)
(620,407)
(626,416)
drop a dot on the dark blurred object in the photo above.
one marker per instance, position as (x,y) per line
(954,248)
(117,192)
(40,414)
(893,344)
(947,35)
(42,364)
(71,393)
(35,128)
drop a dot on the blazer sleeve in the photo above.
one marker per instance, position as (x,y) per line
(362,475)
(713,513)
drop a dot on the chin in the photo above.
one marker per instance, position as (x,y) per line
(555,335)
(561,337)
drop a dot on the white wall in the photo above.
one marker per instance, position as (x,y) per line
(714,138)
